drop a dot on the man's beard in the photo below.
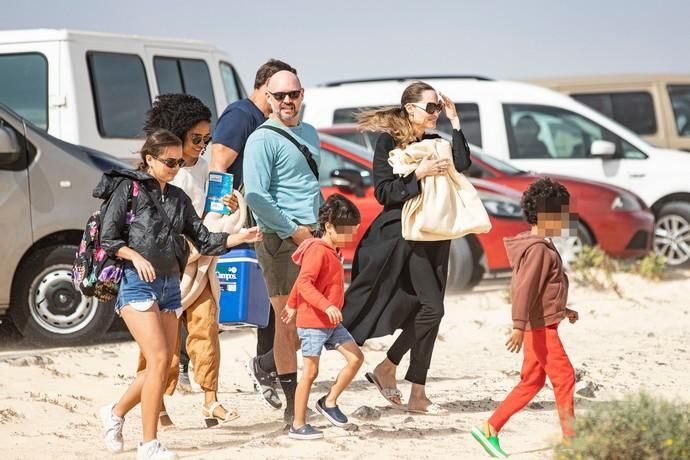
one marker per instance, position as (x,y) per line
(285,117)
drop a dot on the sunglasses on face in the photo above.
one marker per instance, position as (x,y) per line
(172,162)
(280,95)
(198,139)
(430,107)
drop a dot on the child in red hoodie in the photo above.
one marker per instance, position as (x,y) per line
(539,295)
(317,299)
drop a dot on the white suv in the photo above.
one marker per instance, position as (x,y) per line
(540,130)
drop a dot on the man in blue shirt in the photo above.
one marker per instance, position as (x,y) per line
(234,126)
(283,193)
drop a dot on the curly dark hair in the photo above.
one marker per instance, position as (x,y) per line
(544,195)
(178,113)
(338,210)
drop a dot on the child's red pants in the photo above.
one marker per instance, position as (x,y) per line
(543,355)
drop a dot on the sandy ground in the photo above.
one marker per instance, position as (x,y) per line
(49,398)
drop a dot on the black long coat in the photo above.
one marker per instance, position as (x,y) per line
(380,298)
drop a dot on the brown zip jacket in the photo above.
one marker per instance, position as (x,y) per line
(539,286)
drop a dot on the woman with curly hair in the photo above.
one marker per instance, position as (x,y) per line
(189,119)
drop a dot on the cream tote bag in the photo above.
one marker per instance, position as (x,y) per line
(448,206)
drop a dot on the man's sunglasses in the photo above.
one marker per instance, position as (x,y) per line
(172,162)
(198,139)
(280,95)
(430,107)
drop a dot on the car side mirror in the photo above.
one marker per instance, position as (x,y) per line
(349,180)
(9,146)
(601,148)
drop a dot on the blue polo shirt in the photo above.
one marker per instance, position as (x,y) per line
(233,128)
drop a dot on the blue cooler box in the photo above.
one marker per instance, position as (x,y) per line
(243,294)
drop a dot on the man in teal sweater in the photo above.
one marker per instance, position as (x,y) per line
(283,193)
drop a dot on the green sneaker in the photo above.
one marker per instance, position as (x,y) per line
(490,444)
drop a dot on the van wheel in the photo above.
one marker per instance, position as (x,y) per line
(464,269)
(46,307)
(672,233)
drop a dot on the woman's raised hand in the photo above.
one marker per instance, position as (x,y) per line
(431,167)
(451,112)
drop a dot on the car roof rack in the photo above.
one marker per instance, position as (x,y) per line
(405,78)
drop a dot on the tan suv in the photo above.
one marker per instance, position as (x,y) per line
(45,199)
(656,106)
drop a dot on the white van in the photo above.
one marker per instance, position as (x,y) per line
(540,130)
(93,89)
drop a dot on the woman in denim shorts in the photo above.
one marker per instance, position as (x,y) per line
(133,229)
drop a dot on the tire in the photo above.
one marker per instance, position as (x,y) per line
(47,309)
(464,269)
(570,248)
(672,233)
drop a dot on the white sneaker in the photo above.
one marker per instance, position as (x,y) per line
(112,429)
(154,450)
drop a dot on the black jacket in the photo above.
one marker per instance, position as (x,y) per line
(148,233)
(380,298)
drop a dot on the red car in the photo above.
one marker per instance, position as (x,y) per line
(611,217)
(346,169)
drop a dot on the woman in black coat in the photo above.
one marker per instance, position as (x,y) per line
(398,283)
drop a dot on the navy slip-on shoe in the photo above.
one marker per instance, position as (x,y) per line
(304,433)
(333,414)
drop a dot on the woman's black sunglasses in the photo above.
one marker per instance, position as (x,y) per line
(198,139)
(172,162)
(430,107)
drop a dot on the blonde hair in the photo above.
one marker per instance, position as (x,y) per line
(395,120)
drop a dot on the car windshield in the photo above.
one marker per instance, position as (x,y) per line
(348,146)
(680,101)
(493,162)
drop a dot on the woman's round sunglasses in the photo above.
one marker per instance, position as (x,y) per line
(430,107)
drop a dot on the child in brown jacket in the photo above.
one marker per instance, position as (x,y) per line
(539,296)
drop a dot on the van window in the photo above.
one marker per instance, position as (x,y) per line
(469,114)
(120,92)
(634,110)
(24,86)
(680,101)
(536,131)
(231,83)
(189,76)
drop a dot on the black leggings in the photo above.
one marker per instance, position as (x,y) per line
(427,275)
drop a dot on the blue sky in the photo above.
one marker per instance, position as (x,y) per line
(331,40)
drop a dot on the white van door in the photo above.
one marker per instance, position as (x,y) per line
(15,209)
(551,139)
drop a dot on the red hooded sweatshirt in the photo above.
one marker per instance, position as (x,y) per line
(320,284)
(539,287)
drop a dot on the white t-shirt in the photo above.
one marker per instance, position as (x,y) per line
(193,180)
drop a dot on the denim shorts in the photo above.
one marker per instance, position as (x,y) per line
(140,294)
(314,339)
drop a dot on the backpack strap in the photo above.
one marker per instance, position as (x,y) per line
(304,150)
